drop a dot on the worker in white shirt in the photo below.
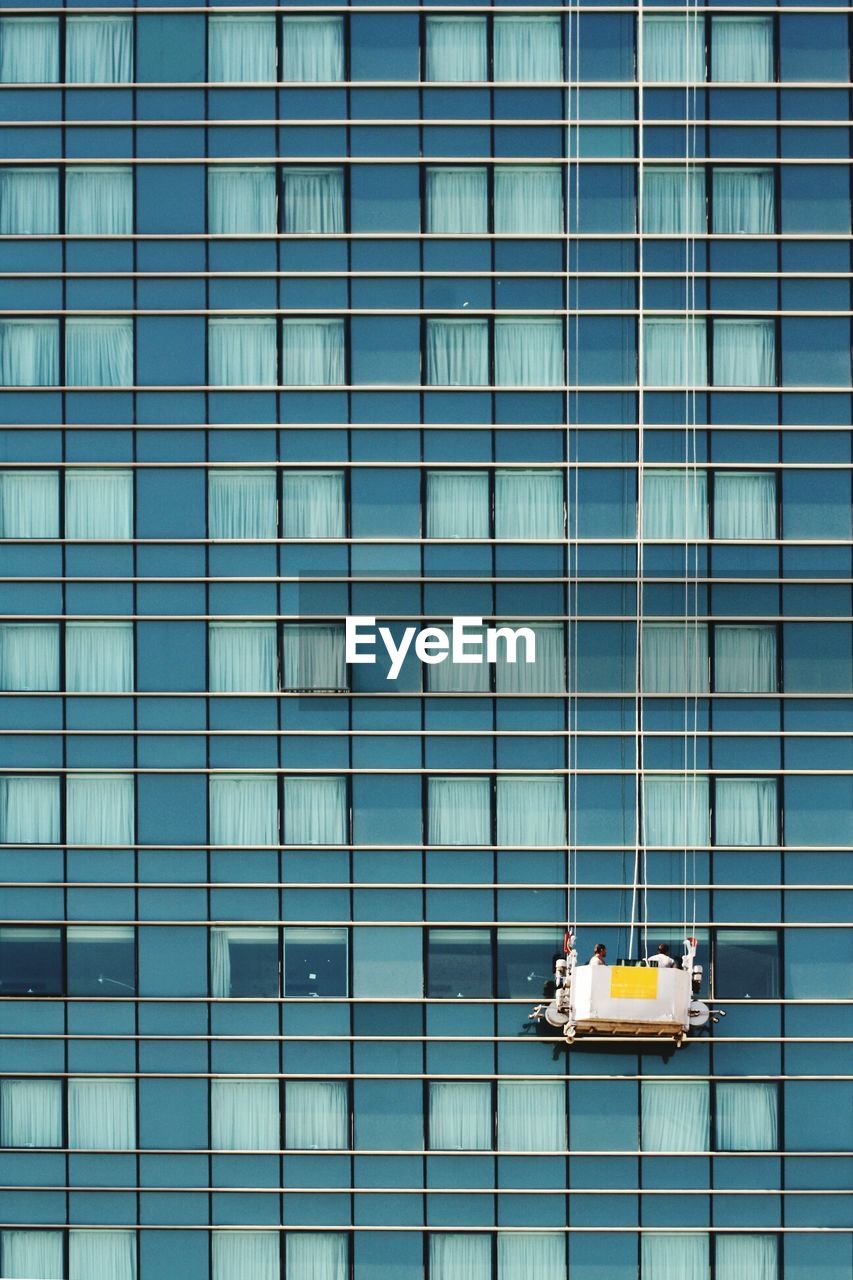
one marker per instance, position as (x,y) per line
(663,959)
(599,954)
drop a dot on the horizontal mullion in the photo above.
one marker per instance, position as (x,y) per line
(504,1192)
(397,884)
(552,162)
(570,734)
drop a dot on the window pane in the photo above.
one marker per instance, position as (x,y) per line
(742,49)
(242,352)
(676,811)
(673,200)
(244,809)
(744,202)
(29,201)
(547,674)
(29,353)
(532,1115)
(315,962)
(313,504)
(312,353)
(531,811)
(242,504)
(243,657)
(524,960)
(675,352)
(102,1114)
(316,1115)
(101,960)
(456,49)
(315,810)
(314,200)
(29,50)
(459,1257)
(29,504)
(457,677)
(460,1114)
(529,504)
(675,504)
(241,48)
(241,201)
(745,504)
(99,50)
(238,1254)
(459,965)
(528,200)
(675,1115)
(313,656)
(98,657)
(459,810)
(99,202)
(746,811)
(31,1255)
(244,962)
(457,353)
(98,504)
(673,48)
(102,1255)
(675,658)
(747,1116)
(30,961)
(31,1113)
(529,353)
(99,808)
(315,1254)
(744,353)
(457,200)
(529,1256)
(99,353)
(745,659)
(527,48)
(457,504)
(665,1256)
(746,1255)
(313,49)
(244,1115)
(29,656)
(746,964)
(29,810)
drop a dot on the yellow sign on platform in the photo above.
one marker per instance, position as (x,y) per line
(633,984)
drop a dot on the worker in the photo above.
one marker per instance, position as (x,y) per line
(599,954)
(663,959)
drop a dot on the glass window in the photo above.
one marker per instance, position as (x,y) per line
(101,960)
(102,1114)
(244,1115)
(98,50)
(458,677)
(457,353)
(531,810)
(459,966)
(664,1254)
(547,674)
(315,961)
(673,48)
(745,504)
(457,200)
(313,656)
(241,352)
(529,504)
(744,353)
(31,1253)
(676,811)
(99,808)
(29,656)
(524,960)
(457,504)
(460,1113)
(746,964)
(96,1255)
(673,199)
(529,353)
(29,50)
(531,1255)
(98,201)
(747,1116)
(29,353)
(29,201)
(532,1115)
(315,811)
(456,49)
(675,352)
(244,809)
(241,47)
(675,504)
(527,47)
(528,200)
(453,1255)
(745,659)
(243,657)
(237,1254)
(746,811)
(242,201)
(459,810)
(675,1115)
(742,49)
(99,352)
(312,353)
(755,1256)
(313,504)
(313,49)
(98,657)
(29,504)
(316,1115)
(29,809)
(744,202)
(30,960)
(244,962)
(314,1253)
(98,504)
(313,200)
(31,1113)
(242,504)
(675,658)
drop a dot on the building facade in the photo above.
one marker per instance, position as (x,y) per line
(535,315)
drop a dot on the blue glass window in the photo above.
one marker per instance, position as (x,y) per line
(241,352)
(744,201)
(675,504)
(529,504)
(102,1254)
(313,200)
(31,1253)
(98,504)
(99,352)
(746,1116)
(29,656)
(101,960)
(315,961)
(529,353)
(242,201)
(235,1254)
(673,48)
(29,504)
(744,353)
(675,658)
(316,1115)
(745,810)
(673,199)
(745,504)
(675,352)
(456,49)
(742,49)
(457,504)
(243,657)
(745,659)
(102,1114)
(30,1113)
(98,657)
(244,962)
(99,808)
(312,49)
(457,352)
(98,50)
(241,47)
(29,50)
(460,1113)
(527,48)
(528,200)
(457,200)
(242,504)
(29,809)
(30,959)
(313,504)
(676,810)
(29,201)
(312,353)
(675,1115)
(315,1253)
(29,353)
(313,656)
(244,1115)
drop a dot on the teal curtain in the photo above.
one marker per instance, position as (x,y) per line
(313,504)
(315,1255)
(102,1114)
(241,352)
(675,658)
(98,504)
(746,811)
(529,505)
(456,49)
(99,657)
(99,352)
(457,353)
(313,656)
(528,200)
(31,1255)
(528,47)
(99,808)
(529,353)
(244,1115)
(673,48)
(675,1115)
(460,1115)
(29,50)
(455,1256)
(244,809)
(29,353)
(746,1257)
(242,504)
(744,353)
(243,657)
(459,811)
(531,811)
(744,202)
(29,202)
(29,809)
(457,504)
(676,810)
(29,656)
(745,504)
(30,1113)
(316,1115)
(531,1256)
(673,199)
(29,504)
(99,201)
(547,674)
(241,47)
(745,659)
(742,49)
(98,50)
(674,1256)
(532,1115)
(236,1255)
(457,200)
(314,200)
(312,353)
(241,201)
(675,504)
(313,49)
(101,1255)
(315,811)
(675,352)
(747,1116)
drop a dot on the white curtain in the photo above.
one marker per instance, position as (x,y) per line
(99,808)
(675,1115)
(744,353)
(102,1114)
(98,201)
(314,200)
(675,352)
(457,504)
(30,1113)
(459,811)
(547,674)
(744,202)
(98,504)
(99,352)
(313,504)
(457,353)
(243,657)
(315,811)
(532,1115)
(29,353)
(29,504)
(29,50)
(456,49)
(316,1115)
(744,504)
(244,809)
(29,202)
(531,810)
(747,1116)
(675,504)
(241,352)
(675,658)
(460,1115)
(676,811)
(529,1256)
(529,353)
(528,47)
(529,505)
(241,201)
(454,1256)
(457,200)
(102,1255)
(313,656)
(239,1255)
(29,655)
(528,200)
(241,47)
(673,199)
(98,657)
(242,504)
(314,1255)
(742,49)
(31,1255)
(674,1256)
(746,1257)
(745,659)
(312,353)
(244,1115)
(313,49)
(460,677)
(99,50)
(746,811)
(673,48)
(29,810)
